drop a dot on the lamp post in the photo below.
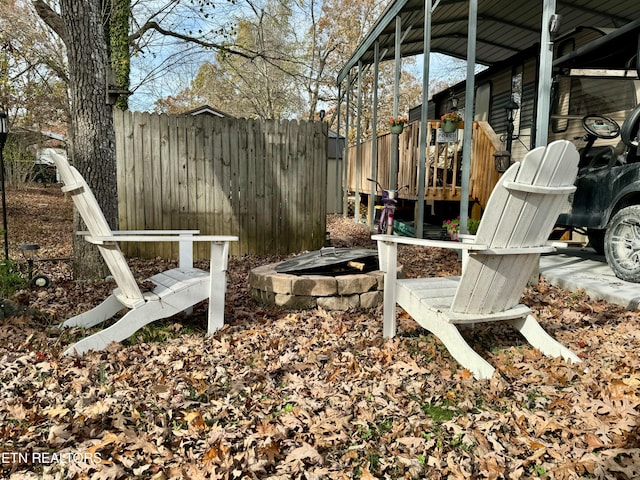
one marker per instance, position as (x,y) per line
(510,108)
(4,129)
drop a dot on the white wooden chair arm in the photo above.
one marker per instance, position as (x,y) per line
(423,242)
(539,188)
(161,238)
(155,232)
(185,252)
(517,250)
(146,232)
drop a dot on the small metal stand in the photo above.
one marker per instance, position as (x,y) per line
(28,251)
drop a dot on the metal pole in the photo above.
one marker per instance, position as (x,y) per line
(347,118)
(544,76)
(374,135)
(356,216)
(468,114)
(423,118)
(340,154)
(3,139)
(393,172)
(509,134)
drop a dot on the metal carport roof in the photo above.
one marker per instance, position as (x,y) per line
(484,32)
(504,27)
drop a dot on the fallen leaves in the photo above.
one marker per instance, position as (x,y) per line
(317,394)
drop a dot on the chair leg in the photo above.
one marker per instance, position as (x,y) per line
(98,314)
(217,286)
(457,346)
(540,339)
(130,323)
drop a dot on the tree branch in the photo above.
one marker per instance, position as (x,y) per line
(51,18)
(203,43)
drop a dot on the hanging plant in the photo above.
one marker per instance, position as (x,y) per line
(397,124)
(453,117)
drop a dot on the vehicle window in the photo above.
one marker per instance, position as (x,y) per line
(601,95)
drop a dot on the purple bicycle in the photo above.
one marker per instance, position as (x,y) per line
(389,202)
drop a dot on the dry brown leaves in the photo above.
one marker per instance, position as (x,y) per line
(311,395)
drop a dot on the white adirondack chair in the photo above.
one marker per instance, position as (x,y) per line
(174,290)
(513,232)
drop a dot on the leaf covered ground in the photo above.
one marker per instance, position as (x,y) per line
(306,395)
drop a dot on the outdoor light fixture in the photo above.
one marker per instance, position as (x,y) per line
(502,160)
(454,102)
(4,130)
(554,24)
(510,108)
(322,114)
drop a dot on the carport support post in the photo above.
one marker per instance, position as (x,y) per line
(340,183)
(356,216)
(544,76)
(424,113)
(468,114)
(346,146)
(393,172)
(374,136)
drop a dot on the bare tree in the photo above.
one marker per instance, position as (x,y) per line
(98,41)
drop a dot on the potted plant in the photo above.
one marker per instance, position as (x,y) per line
(453,227)
(450,121)
(397,124)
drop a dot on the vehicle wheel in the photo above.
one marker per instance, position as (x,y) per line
(596,240)
(622,244)
(41,281)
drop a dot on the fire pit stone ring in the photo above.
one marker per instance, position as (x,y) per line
(339,291)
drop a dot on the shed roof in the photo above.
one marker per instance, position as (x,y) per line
(505,27)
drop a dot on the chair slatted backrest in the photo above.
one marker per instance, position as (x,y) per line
(96,223)
(516,218)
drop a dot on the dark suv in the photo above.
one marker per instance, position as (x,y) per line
(606,203)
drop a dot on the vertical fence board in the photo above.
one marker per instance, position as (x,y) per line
(264,181)
(270,185)
(294,187)
(199,211)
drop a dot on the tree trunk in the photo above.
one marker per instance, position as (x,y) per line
(92,131)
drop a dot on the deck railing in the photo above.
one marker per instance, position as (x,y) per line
(444,163)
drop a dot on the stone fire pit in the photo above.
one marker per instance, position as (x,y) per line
(332,291)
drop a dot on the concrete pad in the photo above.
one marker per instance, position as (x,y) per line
(581,268)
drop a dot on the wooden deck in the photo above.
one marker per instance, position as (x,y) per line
(444,163)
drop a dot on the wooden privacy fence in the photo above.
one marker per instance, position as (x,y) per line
(443,165)
(262,180)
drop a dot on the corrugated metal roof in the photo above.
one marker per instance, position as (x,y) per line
(505,27)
